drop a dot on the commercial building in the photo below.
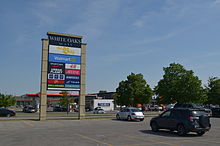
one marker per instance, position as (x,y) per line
(92,101)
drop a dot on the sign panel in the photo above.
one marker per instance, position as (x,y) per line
(64,41)
(72,66)
(76,82)
(64,58)
(55,81)
(64,50)
(56,85)
(56,77)
(72,86)
(103,104)
(64,62)
(72,72)
(72,77)
(56,68)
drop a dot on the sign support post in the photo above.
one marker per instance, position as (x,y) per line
(83,83)
(43,87)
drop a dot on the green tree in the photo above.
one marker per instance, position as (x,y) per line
(7,100)
(180,85)
(64,100)
(132,91)
(103,91)
(213,90)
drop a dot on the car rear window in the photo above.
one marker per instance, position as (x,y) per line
(198,113)
(135,110)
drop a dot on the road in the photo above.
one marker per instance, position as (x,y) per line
(98,132)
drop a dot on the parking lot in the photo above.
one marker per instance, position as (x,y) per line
(95,132)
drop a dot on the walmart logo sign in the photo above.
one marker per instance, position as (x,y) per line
(64,58)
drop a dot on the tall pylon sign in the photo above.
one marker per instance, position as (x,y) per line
(63,68)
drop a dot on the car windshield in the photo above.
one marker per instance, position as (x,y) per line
(135,110)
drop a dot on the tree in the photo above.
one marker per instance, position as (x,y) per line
(213,90)
(64,100)
(133,91)
(102,91)
(7,100)
(179,85)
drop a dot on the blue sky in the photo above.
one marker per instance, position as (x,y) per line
(122,36)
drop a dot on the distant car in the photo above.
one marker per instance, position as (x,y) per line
(29,109)
(154,108)
(130,113)
(216,112)
(183,120)
(167,107)
(99,111)
(7,112)
(59,109)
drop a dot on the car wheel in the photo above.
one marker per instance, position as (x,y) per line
(141,119)
(181,130)
(129,118)
(154,127)
(117,117)
(8,115)
(200,133)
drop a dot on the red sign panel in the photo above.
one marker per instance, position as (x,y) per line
(72,72)
(55,81)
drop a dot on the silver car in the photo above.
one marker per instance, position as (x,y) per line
(130,113)
(99,111)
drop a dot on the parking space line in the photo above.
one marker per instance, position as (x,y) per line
(136,144)
(92,139)
(201,140)
(27,123)
(153,142)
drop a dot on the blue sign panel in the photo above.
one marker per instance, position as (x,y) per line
(64,58)
(103,104)
(72,77)
(75,82)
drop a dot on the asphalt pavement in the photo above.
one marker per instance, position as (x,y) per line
(98,132)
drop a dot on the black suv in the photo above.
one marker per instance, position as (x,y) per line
(7,112)
(182,120)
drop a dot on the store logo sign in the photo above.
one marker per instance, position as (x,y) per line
(64,58)
(64,50)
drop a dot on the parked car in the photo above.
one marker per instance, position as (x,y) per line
(59,109)
(99,111)
(29,109)
(183,120)
(130,113)
(216,112)
(7,112)
(194,106)
(167,107)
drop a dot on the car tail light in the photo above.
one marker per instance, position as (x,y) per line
(191,118)
(132,113)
